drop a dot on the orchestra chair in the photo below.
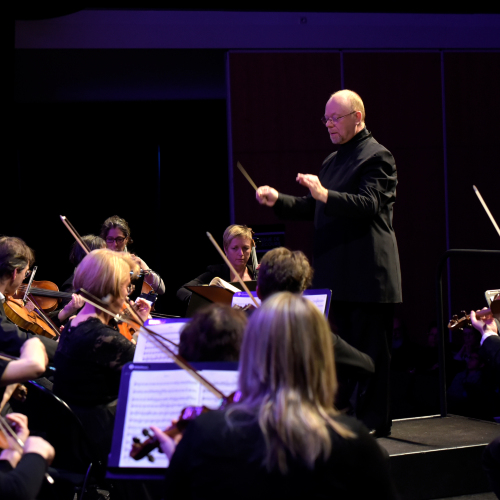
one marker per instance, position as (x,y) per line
(75,461)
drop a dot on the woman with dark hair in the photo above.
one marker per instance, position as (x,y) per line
(214,333)
(73,305)
(284,439)
(115,231)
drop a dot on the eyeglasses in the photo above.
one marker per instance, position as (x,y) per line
(326,119)
(27,274)
(118,239)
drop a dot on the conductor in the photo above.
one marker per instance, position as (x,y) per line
(355,249)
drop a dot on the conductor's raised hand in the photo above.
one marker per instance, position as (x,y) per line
(266,195)
(318,192)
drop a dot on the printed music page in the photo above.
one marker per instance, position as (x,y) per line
(156,397)
(148,351)
(318,300)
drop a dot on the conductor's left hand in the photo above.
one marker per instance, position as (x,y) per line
(318,192)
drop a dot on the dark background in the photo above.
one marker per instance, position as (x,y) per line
(88,126)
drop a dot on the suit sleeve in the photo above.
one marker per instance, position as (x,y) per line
(23,482)
(184,294)
(377,187)
(295,207)
(11,338)
(349,357)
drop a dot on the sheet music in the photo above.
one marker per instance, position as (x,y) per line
(242,299)
(318,300)
(156,397)
(147,351)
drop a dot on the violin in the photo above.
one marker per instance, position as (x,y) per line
(457,323)
(140,450)
(47,293)
(28,320)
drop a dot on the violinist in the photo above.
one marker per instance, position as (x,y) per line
(91,353)
(489,327)
(15,260)
(214,333)
(71,307)
(238,243)
(284,438)
(282,270)
(21,474)
(116,233)
(31,364)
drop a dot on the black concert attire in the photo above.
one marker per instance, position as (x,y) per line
(490,350)
(12,337)
(23,482)
(356,256)
(88,365)
(215,271)
(214,456)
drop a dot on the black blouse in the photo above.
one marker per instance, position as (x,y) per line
(88,363)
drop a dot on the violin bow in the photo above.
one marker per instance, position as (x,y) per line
(9,433)
(226,260)
(179,360)
(28,286)
(75,234)
(495,225)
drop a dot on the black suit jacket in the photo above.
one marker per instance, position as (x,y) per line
(355,249)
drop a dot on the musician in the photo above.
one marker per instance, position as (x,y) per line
(73,305)
(91,353)
(282,270)
(15,260)
(284,439)
(238,243)
(214,333)
(31,364)
(355,249)
(116,233)
(489,327)
(22,474)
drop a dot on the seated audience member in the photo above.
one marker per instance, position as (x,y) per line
(283,270)
(489,327)
(15,260)
(238,243)
(214,334)
(22,472)
(284,438)
(91,353)
(468,393)
(73,305)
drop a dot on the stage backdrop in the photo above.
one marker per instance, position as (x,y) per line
(435,111)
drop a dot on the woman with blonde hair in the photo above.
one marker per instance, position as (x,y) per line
(238,243)
(91,353)
(284,438)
